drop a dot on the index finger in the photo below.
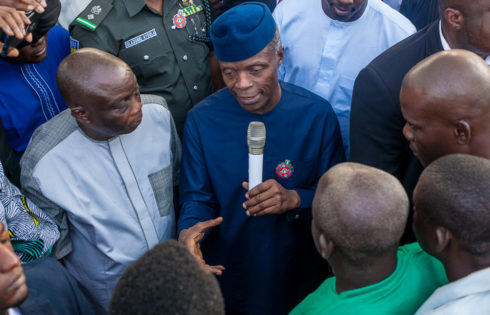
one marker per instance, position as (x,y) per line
(202,227)
(260,188)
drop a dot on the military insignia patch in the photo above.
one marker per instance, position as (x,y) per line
(285,169)
(193,9)
(179,20)
(94,14)
(74,44)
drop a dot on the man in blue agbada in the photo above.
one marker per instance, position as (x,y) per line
(261,245)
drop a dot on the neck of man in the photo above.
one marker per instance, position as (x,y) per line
(155,4)
(93,134)
(464,263)
(354,275)
(455,41)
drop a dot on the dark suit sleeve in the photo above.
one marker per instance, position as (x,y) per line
(376,124)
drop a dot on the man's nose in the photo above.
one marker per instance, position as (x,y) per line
(243,81)
(8,259)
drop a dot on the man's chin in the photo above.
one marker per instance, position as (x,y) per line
(20,296)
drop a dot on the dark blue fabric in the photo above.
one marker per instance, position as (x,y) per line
(30,95)
(52,290)
(271,262)
(242,32)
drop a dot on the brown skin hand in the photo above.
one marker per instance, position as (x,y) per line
(270,197)
(25,5)
(13,23)
(192,237)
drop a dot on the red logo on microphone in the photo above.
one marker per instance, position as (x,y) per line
(285,169)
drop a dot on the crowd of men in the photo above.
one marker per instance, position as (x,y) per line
(123,147)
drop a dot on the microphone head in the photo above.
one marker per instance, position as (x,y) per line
(256,136)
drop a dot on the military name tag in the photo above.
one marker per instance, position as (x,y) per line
(140,38)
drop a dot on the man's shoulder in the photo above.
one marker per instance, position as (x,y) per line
(396,61)
(216,101)
(319,301)
(302,99)
(96,13)
(58,33)
(405,52)
(468,295)
(390,16)
(47,136)
(292,8)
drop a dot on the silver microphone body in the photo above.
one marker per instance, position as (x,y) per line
(256,143)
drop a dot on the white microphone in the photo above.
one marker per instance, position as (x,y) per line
(256,143)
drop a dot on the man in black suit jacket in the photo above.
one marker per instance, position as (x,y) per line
(376,119)
(420,12)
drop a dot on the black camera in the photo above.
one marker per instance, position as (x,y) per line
(40,25)
(11,41)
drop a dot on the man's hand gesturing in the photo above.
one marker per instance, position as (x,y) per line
(192,236)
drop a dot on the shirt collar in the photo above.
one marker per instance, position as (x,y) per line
(445,44)
(134,6)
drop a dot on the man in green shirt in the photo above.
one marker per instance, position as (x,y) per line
(359,215)
(164,42)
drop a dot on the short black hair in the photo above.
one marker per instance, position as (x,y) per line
(454,192)
(363,210)
(167,280)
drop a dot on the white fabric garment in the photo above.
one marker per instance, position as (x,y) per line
(467,296)
(117,195)
(445,44)
(325,56)
(14,311)
(395,4)
(70,9)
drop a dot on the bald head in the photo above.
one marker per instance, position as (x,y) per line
(363,210)
(445,100)
(454,192)
(82,72)
(454,81)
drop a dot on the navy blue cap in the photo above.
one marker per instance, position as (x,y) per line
(242,32)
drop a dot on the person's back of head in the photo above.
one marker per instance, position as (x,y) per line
(445,100)
(452,213)
(166,280)
(361,212)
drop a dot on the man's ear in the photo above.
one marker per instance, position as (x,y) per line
(454,18)
(280,55)
(326,246)
(462,132)
(80,114)
(443,239)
